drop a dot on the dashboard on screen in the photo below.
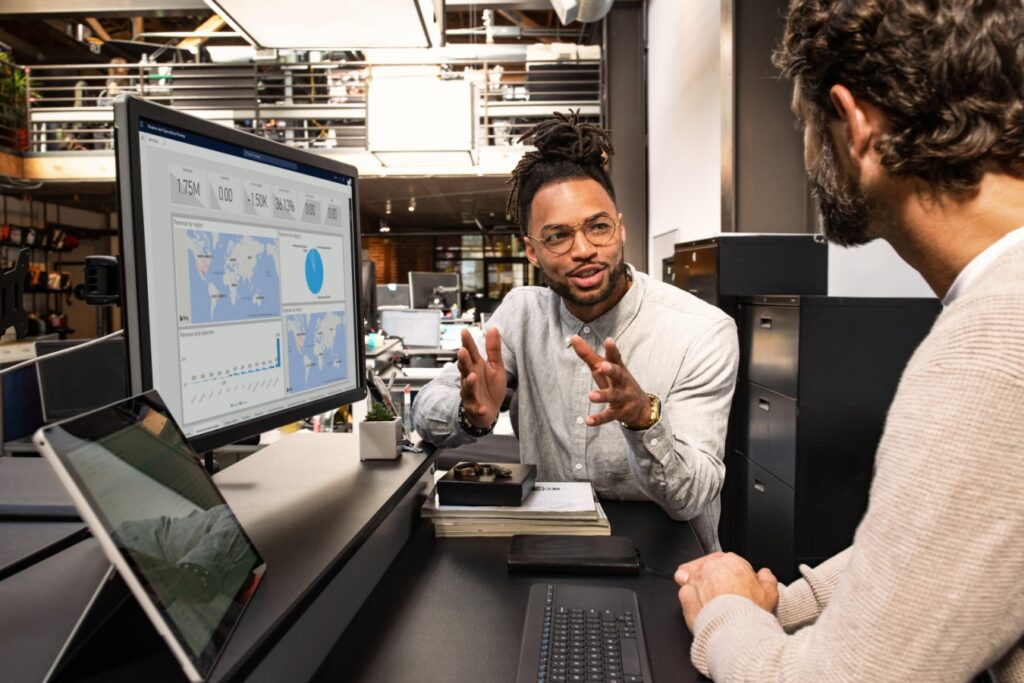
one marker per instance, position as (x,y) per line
(248,300)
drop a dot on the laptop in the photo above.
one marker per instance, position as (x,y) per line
(162,523)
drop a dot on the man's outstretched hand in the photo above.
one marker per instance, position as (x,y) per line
(627,401)
(483,379)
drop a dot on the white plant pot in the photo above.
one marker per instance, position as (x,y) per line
(380,440)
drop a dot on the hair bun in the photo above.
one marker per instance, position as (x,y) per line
(565,137)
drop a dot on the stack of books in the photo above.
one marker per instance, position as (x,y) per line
(561,508)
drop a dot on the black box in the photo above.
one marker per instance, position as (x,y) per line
(487,489)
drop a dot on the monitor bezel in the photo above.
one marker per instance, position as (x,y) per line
(131,232)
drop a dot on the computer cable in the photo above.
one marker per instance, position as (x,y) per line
(72,349)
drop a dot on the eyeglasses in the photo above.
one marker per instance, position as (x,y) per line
(558,240)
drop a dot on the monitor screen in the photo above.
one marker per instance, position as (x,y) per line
(393,295)
(434,290)
(85,379)
(241,274)
(415,328)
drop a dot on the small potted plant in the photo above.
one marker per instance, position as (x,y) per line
(380,434)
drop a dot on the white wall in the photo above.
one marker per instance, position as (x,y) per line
(683,123)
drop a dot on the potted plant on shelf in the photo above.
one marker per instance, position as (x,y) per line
(13,104)
(380,434)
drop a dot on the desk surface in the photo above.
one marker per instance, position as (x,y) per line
(444,598)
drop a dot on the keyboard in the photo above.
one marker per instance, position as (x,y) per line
(582,634)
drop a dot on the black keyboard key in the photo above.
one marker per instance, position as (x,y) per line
(630,657)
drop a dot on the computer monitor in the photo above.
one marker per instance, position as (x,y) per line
(416,329)
(82,380)
(434,290)
(393,296)
(368,293)
(241,274)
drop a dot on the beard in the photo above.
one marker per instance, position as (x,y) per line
(844,210)
(562,288)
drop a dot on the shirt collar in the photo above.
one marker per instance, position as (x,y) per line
(981,262)
(615,320)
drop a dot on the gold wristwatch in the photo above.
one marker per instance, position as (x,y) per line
(653,420)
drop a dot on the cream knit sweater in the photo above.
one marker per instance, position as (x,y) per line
(932,588)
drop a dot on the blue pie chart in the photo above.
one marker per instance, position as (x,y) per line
(314,271)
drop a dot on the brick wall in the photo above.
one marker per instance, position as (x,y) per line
(394,257)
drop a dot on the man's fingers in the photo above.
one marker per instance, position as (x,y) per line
(493,345)
(605,416)
(463,363)
(470,346)
(583,350)
(689,600)
(600,396)
(468,389)
(687,569)
(612,371)
(611,351)
(770,586)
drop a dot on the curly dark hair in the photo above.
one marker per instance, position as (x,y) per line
(566,150)
(948,74)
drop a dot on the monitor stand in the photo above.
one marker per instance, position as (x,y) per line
(114,641)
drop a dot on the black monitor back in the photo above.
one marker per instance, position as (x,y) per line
(82,380)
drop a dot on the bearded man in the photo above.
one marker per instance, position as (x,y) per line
(913,117)
(621,380)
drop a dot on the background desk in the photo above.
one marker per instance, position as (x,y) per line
(448,610)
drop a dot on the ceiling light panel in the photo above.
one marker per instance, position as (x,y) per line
(331,24)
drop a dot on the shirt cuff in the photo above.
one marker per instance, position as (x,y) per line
(656,440)
(724,632)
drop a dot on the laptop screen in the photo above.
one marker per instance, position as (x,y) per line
(416,328)
(152,505)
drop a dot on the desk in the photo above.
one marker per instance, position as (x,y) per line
(445,596)
(326,523)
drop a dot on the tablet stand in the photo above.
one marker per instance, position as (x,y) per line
(114,640)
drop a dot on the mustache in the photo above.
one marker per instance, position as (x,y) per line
(589,264)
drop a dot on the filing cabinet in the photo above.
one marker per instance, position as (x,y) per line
(817,376)
(720,270)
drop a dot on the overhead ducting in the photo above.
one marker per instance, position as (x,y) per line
(584,11)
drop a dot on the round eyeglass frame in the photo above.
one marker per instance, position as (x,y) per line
(578,227)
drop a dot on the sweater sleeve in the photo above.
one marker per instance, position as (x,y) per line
(801,602)
(933,588)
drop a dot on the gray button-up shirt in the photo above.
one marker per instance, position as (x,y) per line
(676,346)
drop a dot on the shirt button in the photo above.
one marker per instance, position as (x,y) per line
(654,442)
(585,370)
(586,329)
(579,466)
(579,420)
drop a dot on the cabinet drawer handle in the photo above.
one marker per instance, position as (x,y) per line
(766,323)
(694,291)
(759,486)
(764,405)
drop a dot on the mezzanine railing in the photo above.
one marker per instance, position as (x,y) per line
(305,104)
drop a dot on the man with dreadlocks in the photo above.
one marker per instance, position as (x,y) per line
(622,380)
